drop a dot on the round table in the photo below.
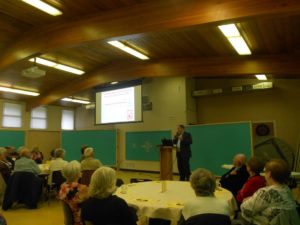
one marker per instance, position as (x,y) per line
(150,201)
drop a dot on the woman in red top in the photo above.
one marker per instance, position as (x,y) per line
(254,182)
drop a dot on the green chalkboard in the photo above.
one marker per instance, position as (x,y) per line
(12,138)
(103,142)
(143,145)
(216,144)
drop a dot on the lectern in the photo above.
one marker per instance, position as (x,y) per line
(166,163)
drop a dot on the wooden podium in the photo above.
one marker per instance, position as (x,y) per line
(166,163)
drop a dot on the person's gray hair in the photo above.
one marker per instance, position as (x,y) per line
(2,150)
(103,182)
(71,171)
(203,182)
(20,149)
(240,159)
(88,152)
(59,153)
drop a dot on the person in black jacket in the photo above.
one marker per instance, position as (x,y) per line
(183,141)
(235,178)
(103,207)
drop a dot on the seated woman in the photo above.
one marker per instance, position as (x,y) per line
(37,155)
(236,177)
(89,162)
(268,204)
(57,164)
(254,182)
(204,184)
(71,191)
(102,207)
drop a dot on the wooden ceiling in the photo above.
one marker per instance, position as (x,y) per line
(180,37)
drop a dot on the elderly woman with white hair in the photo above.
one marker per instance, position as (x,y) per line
(71,191)
(102,207)
(89,162)
(237,176)
(206,204)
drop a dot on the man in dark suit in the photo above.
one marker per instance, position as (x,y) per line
(183,141)
(235,178)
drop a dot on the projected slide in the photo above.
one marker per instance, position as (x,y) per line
(118,105)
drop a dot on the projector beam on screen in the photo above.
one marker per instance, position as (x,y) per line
(119,105)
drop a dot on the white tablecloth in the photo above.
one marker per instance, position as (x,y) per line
(148,198)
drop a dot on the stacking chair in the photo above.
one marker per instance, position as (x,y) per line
(208,219)
(23,187)
(55,183)
(68,214)
(119,182)
(86,177)
(137,180)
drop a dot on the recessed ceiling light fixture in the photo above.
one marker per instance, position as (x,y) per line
(261,76)
(55,65)
(236,40)
(44,7)
(75,100)
(18,91)
(128,49)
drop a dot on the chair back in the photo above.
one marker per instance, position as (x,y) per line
(57,179)
(22,187)
(208,219)
(137,180)
(86,177)
(68,214)
(119,182)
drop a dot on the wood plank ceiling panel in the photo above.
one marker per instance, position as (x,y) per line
(78,38)
(21,11)
(198,41)
(92,6)
(279,35)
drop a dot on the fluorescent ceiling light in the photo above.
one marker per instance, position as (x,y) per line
(127,49)
(44,7)
(76,100)
(18,91)
(58,66)
(261,76)
(43,62)
(237,41)
(240,45)
(229,30)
